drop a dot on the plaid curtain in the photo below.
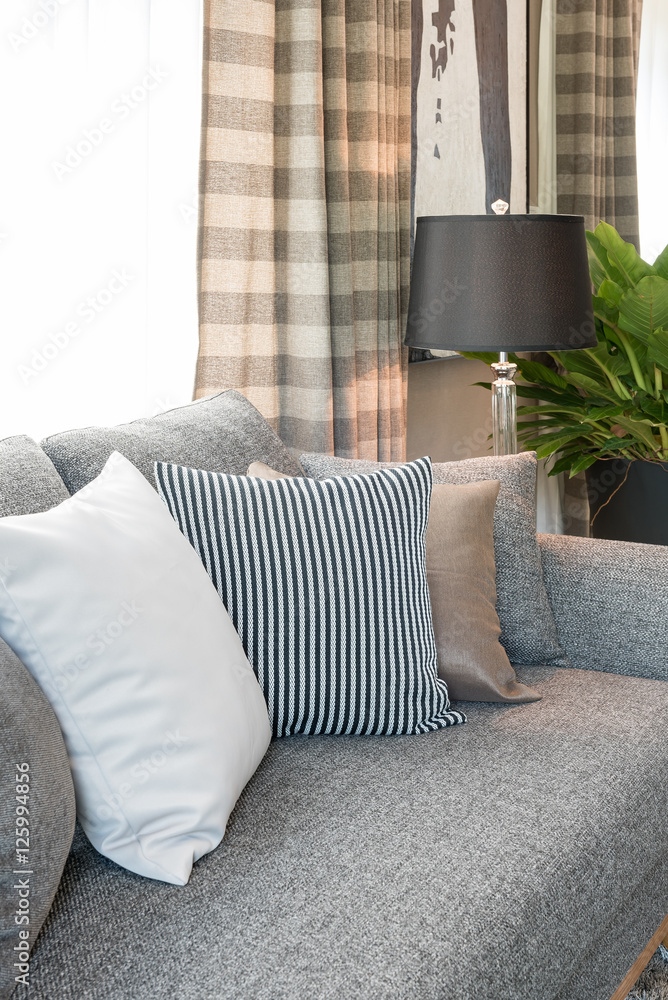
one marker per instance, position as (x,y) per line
(305,216)
(597,44)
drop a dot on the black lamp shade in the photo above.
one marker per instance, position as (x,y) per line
(500,283)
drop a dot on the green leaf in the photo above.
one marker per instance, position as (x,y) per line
(623,259)
(592,387)
(575,411)
(645,307)
(655,409)
(598,260)
(533,371)
(564,463)
(610,293)
(547,444)
(582,463)
(595,362)
(548,395)
(661,263)
(605,314)
(617,444)
(539,422)
(614,364)
(657,349)
(639,430)
(609,410)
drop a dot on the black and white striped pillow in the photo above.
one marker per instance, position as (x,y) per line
(327,587)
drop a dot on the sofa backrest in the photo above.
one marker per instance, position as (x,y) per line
(29,483)
(221,433)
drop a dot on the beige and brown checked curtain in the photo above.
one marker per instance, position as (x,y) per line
(596,69)
(597,43)
(304,235)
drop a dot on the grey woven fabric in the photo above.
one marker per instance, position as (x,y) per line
(222,433)
(528,632)
(28,481)
(610,603)
(591,980)
(479,862)
(30,734)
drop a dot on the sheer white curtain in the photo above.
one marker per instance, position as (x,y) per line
(652,128)
(550,490)
(100,120)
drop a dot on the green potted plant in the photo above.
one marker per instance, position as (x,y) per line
(606,409)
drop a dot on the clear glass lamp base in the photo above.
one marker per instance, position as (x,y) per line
(504,407)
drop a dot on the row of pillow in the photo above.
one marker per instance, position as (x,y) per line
(113,613)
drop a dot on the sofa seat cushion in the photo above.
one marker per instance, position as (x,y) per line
(223,433)
(483,861)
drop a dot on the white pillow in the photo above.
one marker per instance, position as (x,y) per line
(113,613)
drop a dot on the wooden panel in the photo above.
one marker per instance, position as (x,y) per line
(629,980)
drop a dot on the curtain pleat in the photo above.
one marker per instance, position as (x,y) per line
(596,75)
(304,217)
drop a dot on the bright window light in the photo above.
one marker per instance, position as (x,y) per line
(100,121)
(651,133)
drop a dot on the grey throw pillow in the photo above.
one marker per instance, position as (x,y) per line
(29,483)
(223,433)
(528,630)
(36,791)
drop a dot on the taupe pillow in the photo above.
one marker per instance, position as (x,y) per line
(528,630)
(461,575)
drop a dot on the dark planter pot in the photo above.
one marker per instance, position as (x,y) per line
(629,500)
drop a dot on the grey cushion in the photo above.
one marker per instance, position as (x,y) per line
(477,862)
(222,433)
(610,602)
(29,733)
(29,482)
(528,631)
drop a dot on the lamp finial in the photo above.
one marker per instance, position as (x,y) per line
(500,207)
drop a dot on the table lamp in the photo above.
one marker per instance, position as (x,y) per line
(500,283)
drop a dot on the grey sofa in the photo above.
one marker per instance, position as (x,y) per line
(522,855)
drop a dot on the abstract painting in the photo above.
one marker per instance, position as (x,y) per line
(469,106)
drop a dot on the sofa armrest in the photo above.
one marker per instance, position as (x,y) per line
(610,603)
